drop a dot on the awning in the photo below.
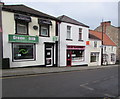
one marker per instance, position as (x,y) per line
(44,21)
(22,17)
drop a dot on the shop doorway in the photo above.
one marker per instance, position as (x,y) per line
(69,58)
(49,54)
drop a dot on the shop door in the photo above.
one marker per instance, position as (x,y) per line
(49,55)
(69,58)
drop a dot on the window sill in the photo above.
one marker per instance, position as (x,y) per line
(80,40)
(69,39)
(23,60)
(43,36)
(21,34)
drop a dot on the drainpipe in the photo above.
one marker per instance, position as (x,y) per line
(1,35)
(59,44)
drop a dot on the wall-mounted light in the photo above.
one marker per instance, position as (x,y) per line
(35,27)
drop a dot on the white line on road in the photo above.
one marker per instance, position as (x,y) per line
(96,81)
(84,84)
(109,95)
(89,88)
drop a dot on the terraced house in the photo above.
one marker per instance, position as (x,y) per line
(109,47)
(94,50)
(72,42)
(29,37)
(112,32)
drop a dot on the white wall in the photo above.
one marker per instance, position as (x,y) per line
(109,52)
(75,37)
(91,48)
(8,23)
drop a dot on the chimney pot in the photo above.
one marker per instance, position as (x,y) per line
(107,23)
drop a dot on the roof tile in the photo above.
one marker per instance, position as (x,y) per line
(106,39)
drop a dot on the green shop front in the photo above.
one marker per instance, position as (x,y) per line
(24,51)
(23,47)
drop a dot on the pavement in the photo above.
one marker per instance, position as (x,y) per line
(42,70)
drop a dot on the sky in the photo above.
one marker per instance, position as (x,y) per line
(89,12)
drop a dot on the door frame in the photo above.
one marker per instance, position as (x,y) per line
(70,58)
(52,46)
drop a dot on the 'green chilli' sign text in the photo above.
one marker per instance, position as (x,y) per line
(23,38)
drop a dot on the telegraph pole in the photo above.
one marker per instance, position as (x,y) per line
(102,45)
(1,35)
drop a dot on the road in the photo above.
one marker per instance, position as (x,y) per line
(87,83)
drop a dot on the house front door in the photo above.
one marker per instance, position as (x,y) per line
(69,58)
(49,55)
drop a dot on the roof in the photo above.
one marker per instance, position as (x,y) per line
(93,37)
(26,10)
(106,39)
(67,19)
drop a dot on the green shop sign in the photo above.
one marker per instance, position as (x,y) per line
(23,38)
(54,38)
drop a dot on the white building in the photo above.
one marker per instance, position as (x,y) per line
(109,47)
(72,42)
(29,37)
(94,51)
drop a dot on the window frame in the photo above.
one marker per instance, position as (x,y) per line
(48,30)
(105,49)
(112,49)
(82,56)
(96,56)
(22,23)
(21,60)
(113,57)
(80,33)
(69,31)
(95,44)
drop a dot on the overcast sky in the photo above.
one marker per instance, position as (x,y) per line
(90,13)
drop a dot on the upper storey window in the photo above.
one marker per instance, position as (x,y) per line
(22,24)
(68,32)
(44,29)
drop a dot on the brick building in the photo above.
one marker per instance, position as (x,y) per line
(112,32)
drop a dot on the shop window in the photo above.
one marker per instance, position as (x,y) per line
(95,43)
(68,32)
(94,57)
(44,30)
(21,27)
(80,34)
(23,52)
(77,55)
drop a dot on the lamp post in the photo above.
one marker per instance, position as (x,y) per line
(1,35)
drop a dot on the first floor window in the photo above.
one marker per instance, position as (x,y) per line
(44,30)
(23,52)
(21,27)
(78,55)
(68,32)
(105,49)
(94,56)
(80,34)
(95,43)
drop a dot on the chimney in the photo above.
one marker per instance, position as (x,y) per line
(106,23)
